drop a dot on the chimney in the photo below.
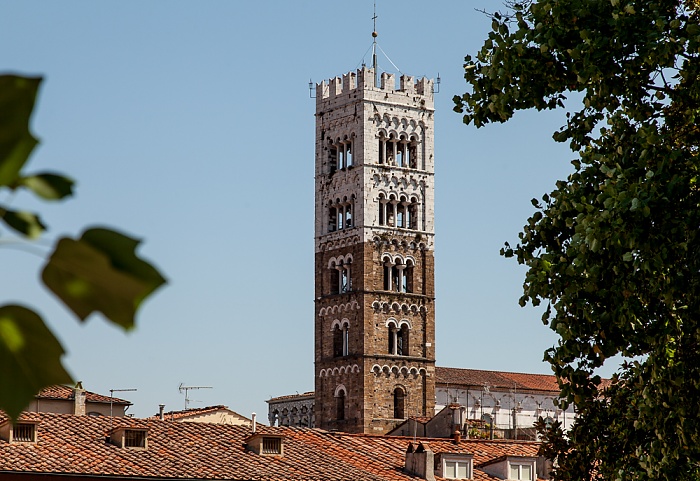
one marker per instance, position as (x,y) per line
(253,423)
(457,437)
(420,461)
(161,414)
(79,399)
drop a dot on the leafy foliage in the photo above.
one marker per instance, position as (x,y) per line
(614,250)
(97,272)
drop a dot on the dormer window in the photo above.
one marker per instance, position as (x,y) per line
(521,471)
(455,466)
(266,445)
(20,432)
(515,468)
(129,438)
(24,433)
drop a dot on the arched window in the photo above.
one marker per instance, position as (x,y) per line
(341,280)
(398,337)
(399,397)
(340,404)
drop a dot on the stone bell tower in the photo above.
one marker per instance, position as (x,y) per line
(374,241)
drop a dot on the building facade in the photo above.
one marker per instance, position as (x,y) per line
(374,244)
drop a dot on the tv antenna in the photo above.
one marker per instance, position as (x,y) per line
(182,388)
(111,402)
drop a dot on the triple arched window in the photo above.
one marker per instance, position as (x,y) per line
(398,274)
(399,150)
(340,213)
(340,153)
(399,211)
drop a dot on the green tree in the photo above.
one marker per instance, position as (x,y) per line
(613,252)
(98,271)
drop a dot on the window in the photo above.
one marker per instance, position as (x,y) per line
(457,469)
(399,397)
(340,405)
(340,339)
(398,277)
(398,337)
(340,214)
(134,438)
(272,446)
(395,212)
(340,275)
(24,433)
(521,472)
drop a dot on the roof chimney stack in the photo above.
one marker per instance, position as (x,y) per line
(252,422)
(457,436)
(79,399)
(420,461)
(161,414)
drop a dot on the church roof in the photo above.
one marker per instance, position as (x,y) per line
(496,379)
(188,413)
(76,445)
(291,397)
(67,393)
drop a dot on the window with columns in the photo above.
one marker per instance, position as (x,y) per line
(340,153)
(341,281)
(398,338)
(341,338)
(398,275)
(340,214)
(399,151)
(399,211)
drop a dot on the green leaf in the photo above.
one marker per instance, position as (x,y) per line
(26,223)
(49,186)
(17,97)
(100,272)
(30,358)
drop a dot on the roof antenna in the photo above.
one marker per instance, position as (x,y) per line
(182,388)
(111,403)
(374,47)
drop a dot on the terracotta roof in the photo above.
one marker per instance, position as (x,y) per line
(173,415)
(75,445)
(66,393)
(496,379)
(290,397)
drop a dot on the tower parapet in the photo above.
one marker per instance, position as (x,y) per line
(363,79)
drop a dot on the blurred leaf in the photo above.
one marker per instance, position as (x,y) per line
(30,358)
(17,97)
(100,272)
(26,223)
(49,186)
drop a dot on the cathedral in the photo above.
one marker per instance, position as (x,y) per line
(374,274)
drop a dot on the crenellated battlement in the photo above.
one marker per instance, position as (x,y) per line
(364,79)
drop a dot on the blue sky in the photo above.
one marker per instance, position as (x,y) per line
(189,124)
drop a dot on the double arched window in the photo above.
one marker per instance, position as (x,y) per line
(398,334)
(399,211)
(341,337)
(340,274)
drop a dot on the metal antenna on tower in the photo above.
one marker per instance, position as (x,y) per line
(374,46)
(182,388)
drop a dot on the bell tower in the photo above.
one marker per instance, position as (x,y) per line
(374,243)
